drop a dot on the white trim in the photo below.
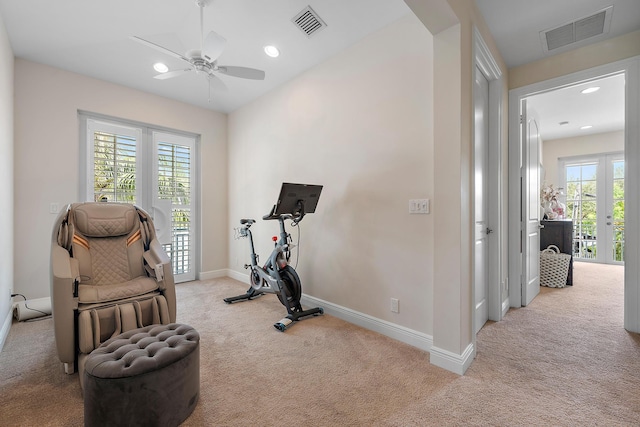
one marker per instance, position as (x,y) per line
(485,61)
(408,336)
(6,328)
(631,68)
(216,274)
(456,363)
(632,198)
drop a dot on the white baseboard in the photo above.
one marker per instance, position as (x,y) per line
(215,274)
(6,327)
(391,330)
(240,277)
(456,363)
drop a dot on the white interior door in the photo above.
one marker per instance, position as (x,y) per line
(481,144)
(530,204)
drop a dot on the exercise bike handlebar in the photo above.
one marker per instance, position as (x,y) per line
(295,216)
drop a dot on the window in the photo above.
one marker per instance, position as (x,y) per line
(151,168)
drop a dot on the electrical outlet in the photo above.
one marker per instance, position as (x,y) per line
(395,307)
(419,206)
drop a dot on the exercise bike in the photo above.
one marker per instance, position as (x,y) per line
(277,276)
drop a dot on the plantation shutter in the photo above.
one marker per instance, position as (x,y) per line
(173,180)
(113,175)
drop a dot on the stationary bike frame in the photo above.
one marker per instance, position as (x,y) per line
(276,272)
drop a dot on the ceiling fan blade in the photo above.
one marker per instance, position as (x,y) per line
(171,74)
(242,72)
(213,46)
(158,48)
(217,84)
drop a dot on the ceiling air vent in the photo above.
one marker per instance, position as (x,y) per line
(577,31)
(308,21)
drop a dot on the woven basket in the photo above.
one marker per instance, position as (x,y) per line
(554,267)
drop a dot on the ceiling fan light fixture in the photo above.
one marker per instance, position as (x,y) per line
(590,89)
(272,51)
(586,127)
(160,67)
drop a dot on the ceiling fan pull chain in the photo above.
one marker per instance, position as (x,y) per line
(209,80)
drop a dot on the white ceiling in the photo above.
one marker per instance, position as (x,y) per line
(603,110)
(91,37)
(516,26)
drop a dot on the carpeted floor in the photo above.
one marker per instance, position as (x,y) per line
(564,360)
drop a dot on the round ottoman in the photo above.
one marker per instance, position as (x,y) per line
(144,377)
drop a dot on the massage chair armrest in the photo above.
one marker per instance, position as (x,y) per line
(157,256)
(64,272)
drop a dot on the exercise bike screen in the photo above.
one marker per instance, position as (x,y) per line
(291,194)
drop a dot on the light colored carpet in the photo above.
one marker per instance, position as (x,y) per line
(564,360)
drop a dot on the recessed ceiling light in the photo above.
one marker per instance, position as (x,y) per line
(586,127)
(160,67)
(272,51)
(591,89)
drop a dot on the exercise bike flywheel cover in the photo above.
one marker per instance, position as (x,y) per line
(256,281)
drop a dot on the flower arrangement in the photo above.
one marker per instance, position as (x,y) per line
(553,208)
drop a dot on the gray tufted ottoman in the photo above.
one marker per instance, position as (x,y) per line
(144,377)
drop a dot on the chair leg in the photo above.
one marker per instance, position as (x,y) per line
(69,368)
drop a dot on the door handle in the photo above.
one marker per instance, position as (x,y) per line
(540,226)
(489,230)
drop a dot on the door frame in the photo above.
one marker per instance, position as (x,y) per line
(497,295)
(631,68)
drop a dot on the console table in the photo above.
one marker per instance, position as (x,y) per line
(559,233)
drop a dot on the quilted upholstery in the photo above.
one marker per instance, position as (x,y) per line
(145,377)
(142,350)
(105,219)
(104,263)
(117,291)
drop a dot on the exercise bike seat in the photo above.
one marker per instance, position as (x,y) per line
(247,221)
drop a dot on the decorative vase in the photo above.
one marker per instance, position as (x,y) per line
(547,210)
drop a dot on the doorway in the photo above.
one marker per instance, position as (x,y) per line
(582,157)
(630,69)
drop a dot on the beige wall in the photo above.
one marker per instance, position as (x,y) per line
(361,125)
(605,52)
(6,179)
(554,149)
(453,128)
(47,160)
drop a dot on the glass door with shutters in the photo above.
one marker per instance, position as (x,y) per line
(152,169)
(595,202)
(172,179)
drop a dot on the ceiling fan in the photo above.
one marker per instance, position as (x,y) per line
(205,59)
